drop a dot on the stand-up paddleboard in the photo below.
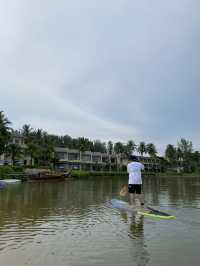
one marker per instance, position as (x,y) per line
(146,211)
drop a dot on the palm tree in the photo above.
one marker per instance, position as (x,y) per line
(151,149)
(34,151)
(45,154)
(118,148)
(130,148)
(110,147)
(14,151)
(67,141)
(185,147)
(38,136)
(27,131)
(142,148)
(99,146)
(82,144)
(179,154)
(170,153)
(5,132)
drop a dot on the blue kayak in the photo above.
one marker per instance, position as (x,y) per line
(2,184)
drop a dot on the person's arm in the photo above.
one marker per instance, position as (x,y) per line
(128,168)
(142,166)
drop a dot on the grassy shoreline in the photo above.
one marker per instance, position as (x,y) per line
(78,173)
(8,171)
(178,174)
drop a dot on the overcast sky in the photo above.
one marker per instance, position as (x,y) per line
(117,69)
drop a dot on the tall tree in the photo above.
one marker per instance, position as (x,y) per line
(196,156)
(170,153)
(142,148)
(119,148)
(151,149)
(67,141)
(99,146)
(5,132)
(185,147)
(110,147)
(39,136)
(82,144)
(13,150)
(45,155)
(129,148)
(34,151)
(179,154)
(27,131)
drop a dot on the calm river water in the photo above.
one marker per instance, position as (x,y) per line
(72,223)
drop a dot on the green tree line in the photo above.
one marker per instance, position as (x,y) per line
(183,156)
(39,146)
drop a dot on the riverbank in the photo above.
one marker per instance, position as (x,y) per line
(18,172)
(78,173)
(11,171)
(170,175)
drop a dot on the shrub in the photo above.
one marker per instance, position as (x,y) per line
(7,169)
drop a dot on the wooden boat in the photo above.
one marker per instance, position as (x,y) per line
(49,176)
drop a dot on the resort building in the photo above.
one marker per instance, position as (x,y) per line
(87,160)
(151,164)
(95,161)
(74,159)
(18,139)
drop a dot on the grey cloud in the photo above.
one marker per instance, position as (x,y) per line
(103,69)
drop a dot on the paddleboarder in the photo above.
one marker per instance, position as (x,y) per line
(134,169)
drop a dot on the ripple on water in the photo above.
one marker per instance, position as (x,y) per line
(87,231)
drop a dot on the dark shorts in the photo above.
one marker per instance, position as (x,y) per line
(137,188)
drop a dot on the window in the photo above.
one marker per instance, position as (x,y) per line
(96,158)
(60,155)
(73,157)
(86,157)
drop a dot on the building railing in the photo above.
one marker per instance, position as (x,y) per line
(81,160)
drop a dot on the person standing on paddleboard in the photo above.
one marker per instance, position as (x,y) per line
(134,169)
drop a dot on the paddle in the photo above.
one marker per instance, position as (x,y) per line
(124,190)
(157,211)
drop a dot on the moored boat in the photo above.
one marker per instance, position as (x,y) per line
(2,184)
(49,176)
(11,181)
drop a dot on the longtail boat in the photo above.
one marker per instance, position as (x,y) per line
(49,176)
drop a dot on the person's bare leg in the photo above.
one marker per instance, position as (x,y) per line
(141,198)
(132,199)
(137,200)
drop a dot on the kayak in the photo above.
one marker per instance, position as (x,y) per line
(10,181)
(2,184)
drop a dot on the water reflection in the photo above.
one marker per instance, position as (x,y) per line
(172,191)
(137,226)
(135,230)
(76,215)
(28,210)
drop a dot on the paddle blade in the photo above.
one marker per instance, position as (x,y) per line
(123,192)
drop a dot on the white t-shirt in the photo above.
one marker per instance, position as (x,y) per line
(134,170)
